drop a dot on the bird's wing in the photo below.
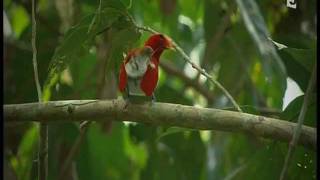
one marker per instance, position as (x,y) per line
(123,77)
(137,65)
(150,79)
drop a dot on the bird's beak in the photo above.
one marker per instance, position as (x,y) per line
(170,45)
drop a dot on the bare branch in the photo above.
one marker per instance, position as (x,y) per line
(170,69)
(74,149)
(159,114)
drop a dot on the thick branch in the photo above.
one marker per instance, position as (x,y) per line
(159,114)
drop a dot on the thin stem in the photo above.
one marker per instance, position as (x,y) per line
(297,131)
(34,53)
(189,82)
(43,129)
(74,149)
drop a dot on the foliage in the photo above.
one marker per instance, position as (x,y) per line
(81,62)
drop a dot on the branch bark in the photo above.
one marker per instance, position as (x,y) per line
(159,114)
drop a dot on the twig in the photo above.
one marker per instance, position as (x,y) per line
(164,114)
(43,130)
(235,172)
(200,70)
(218,36)
(34,53)
(297,130)
(84,125)
(74,149)
(170,69)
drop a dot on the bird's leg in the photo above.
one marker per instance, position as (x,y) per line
(153,98)
(127,97)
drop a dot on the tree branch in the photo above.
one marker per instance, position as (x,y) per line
(170,69)
(159,114)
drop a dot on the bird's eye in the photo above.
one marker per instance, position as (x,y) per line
(161,36)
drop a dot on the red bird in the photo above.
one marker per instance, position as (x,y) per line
(139,70)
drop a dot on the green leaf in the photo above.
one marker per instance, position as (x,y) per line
(27,153)
(77,41)
(19,20)
(299,60)
(121,41)
(192,9)
(115,4)
(292,111)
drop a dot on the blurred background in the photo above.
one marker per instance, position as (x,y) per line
(229,39)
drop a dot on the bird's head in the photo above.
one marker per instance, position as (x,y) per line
(159,42)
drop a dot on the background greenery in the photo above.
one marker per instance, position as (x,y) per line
(76,63)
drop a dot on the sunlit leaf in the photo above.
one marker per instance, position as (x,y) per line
(19,20)
(27,153)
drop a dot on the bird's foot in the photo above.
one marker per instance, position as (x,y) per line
(153,99)
(126,103)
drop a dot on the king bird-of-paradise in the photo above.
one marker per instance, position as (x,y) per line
(138,76)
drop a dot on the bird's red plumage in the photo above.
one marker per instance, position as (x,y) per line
(150,79)
(122,78)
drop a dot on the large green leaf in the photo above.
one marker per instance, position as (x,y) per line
(298,60)
(292,111)
(122,38)
(19,19)
(26,153)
